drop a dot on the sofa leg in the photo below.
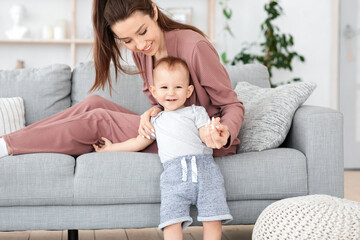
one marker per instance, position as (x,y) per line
(73,234)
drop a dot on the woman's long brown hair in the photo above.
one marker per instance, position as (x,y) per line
(106,49)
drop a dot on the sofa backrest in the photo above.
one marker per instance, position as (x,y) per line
(256,74)
(51,89)
(128,88)
(45,91)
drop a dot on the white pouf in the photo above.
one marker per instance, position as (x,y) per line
(309,217)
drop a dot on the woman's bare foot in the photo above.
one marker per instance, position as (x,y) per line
(9,151)
(7,147)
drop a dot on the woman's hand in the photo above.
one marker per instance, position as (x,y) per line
(145,127)
(215,134)
(103,147)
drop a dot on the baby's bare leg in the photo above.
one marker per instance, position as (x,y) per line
(173,232)
(212,230)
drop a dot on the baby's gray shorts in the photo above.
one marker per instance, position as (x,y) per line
(192,180)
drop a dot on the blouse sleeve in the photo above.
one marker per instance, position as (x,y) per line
(216,81)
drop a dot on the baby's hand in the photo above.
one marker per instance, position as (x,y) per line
(215,134)
(214,124)
(106,147)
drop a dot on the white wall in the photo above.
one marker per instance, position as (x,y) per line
(308,21)
(310,24)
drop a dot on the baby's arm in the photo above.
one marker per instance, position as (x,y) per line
(202,133)
(131,145)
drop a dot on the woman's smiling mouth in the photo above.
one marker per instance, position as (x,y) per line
(148,49)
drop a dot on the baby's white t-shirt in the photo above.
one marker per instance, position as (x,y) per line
(177,132)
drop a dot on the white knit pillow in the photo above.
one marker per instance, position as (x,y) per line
(269,113)
(12,115)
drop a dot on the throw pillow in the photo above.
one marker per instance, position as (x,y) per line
(12,115)
(269,113)
(45,90)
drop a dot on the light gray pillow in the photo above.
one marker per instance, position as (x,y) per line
(45,90)
(12,115)
(269,113)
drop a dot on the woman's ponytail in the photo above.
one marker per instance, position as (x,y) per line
(105,48)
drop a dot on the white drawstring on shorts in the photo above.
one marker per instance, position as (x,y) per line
(194,173)
(184,169)
(194,169)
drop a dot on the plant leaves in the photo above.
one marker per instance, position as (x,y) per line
(276,49)
(224,58)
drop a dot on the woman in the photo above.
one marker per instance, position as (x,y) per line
(142,28)
(150,35)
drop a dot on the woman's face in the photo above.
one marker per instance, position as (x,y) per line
(141,33)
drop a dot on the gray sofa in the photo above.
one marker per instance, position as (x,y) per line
(121,190)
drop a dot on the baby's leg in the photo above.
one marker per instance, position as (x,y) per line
(173,232)
(212,230)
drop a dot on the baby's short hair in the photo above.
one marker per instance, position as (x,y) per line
(172,63)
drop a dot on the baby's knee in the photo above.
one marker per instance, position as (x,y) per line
(212,224)
(173,232)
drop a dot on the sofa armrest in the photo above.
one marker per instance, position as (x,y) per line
(318,133)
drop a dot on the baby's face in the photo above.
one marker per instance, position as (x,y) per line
(171,87)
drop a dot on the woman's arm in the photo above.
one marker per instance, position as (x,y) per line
(131,145)
(214,78)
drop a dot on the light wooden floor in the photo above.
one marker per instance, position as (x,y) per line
(191,233)
(239,232)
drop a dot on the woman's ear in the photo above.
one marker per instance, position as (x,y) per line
(155,12)
(189,91)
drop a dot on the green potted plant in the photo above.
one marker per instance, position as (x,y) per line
(276,49)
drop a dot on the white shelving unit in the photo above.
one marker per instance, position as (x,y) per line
(74,42)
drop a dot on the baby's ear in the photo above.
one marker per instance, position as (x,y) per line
(190,91)
(152,90)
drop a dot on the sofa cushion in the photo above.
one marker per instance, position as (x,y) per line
(36,179)
(45,90)
(127,91)
(269,113)
(117,177)
(271,174)
(120,178)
